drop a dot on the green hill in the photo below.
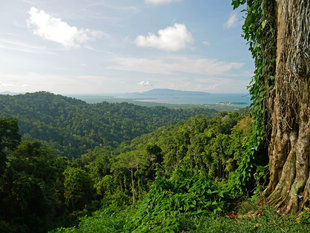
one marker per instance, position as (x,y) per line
(73,126)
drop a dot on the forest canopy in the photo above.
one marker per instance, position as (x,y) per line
(73,126)
(201,151)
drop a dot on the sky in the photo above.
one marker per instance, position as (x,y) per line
(121,46)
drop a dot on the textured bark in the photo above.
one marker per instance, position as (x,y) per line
(289,104)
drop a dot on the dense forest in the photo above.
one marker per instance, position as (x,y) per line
(177,178)
(41,190)
(73,126)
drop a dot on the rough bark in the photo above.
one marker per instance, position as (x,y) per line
(289,104)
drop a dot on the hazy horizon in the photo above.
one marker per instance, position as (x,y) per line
(120,93)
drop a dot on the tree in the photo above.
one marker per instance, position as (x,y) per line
(279,37)
(78,188)
(9,138)
(29,188)
(289,149)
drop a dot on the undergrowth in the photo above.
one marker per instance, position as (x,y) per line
(189,202)
(247,218)
(172,201)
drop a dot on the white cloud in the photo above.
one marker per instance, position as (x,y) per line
(206,43)
(23,47)
(145,84)
(54,29)
(159,2)
(232,21)
(172,38)
(177,64)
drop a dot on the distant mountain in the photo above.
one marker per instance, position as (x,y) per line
(73,126)
(173,92)
(169,96)
(8,93)
(174,99)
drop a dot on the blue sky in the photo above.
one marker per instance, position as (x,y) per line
(117,46)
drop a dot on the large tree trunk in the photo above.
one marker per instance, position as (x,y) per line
(289,150)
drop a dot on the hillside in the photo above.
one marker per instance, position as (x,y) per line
(170,180)
(40,190)
(73,126)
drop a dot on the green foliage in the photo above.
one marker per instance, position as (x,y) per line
(191,161)
(30,189)
(73,126)
(171,200)
(268,222)
(260,177)
(260,32)
(106,220)
(77,188)
(114,219)
(9,139)
(304,217)
(213,145)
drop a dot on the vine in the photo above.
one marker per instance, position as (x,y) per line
(260,32)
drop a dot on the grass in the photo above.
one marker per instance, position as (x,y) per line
(247,218)
(252,218)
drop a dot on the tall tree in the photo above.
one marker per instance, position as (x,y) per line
(289,103)
(279,38)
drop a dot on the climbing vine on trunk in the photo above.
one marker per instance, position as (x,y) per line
(260,31)
(279,38)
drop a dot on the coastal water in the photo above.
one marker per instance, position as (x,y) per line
(237,100)
(174,97)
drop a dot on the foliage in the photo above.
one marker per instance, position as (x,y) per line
(213,145)
(179,176)
(30,188)
(106,220)
(9,139)
(77,187)
(190,160)
(115,219)
(73,126)
(181,196)
(259,31)
(268,222)
(304,216)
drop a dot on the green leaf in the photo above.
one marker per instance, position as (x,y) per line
(264,23)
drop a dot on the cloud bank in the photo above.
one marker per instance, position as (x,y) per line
(54,29)
(173,38)
(175,64)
